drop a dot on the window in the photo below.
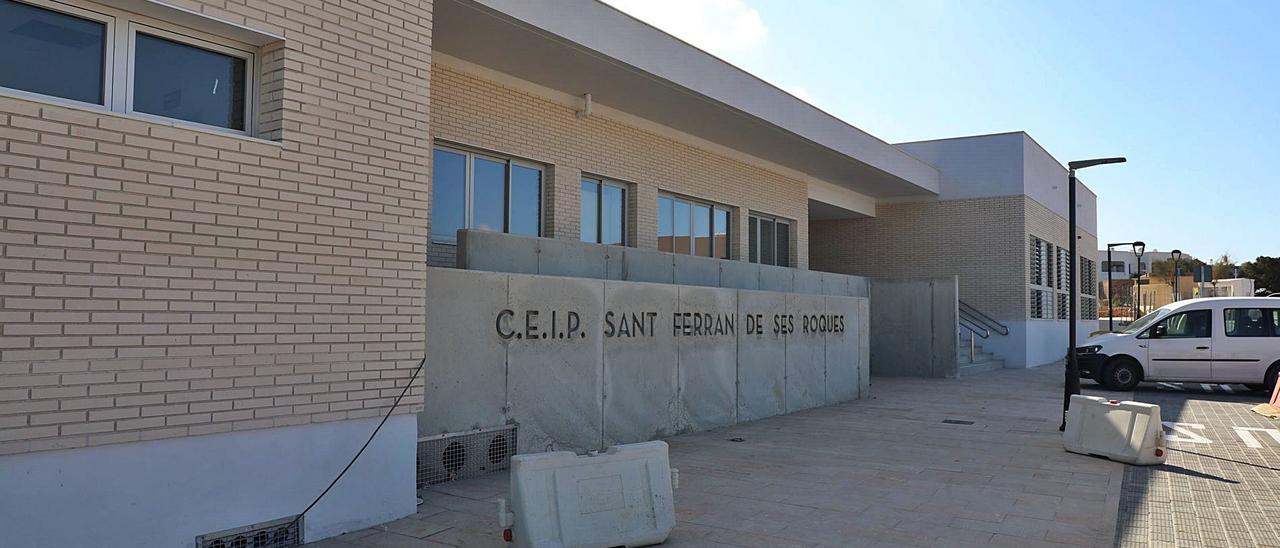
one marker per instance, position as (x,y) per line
(126,63)
(1040,259)
(182,81)
(1088,277)
(36,40)
(1250,322)
(603,217)
(1088,308)
(1194,324)
(1117,267)
(473,190)
(693,228)
(769,240)
(1039,304)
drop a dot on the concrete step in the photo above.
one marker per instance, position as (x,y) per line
(978,357)
(981,367)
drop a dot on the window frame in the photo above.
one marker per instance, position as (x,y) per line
(600,183)
(119,46)
(469,188)
(250,67)
(776,220)
(692,234)
(1268,319)
(1149,333)
(109,44)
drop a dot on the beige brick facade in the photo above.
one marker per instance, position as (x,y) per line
(161,281)
(984,241)
(978,239)
(474,110)
(1043,223)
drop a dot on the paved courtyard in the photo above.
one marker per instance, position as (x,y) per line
(1221,483)
(881,472)
(889,472)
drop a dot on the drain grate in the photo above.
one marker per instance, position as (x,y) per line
(280,533)
(955,421)
(461,455)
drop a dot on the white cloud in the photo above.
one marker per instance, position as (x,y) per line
(722,27)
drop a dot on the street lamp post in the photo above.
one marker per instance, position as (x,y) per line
(1072,385)
(1137,284)
(1177,294)
(1111,313)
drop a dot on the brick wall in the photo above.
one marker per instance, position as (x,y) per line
(161,281)
(1043,223)
(472,110)
(984,241)
(980,240)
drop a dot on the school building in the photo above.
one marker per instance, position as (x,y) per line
(234,230)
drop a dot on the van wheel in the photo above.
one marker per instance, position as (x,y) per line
(1122,374)
(1269,381)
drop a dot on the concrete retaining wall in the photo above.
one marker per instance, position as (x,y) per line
(913,326)
(498,252)
(580,363)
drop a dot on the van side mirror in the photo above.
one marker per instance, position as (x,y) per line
(1159,331)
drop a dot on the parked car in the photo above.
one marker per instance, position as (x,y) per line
(1218,340)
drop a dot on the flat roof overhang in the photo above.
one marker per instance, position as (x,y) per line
(584,46)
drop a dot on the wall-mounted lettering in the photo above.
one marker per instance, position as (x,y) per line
(555,325)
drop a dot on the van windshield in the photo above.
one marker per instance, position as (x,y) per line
(1146,321)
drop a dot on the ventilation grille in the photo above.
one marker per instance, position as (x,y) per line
(280,533)
(462,455)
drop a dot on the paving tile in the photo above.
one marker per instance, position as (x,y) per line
(878,472)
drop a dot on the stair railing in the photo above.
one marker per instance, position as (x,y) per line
(978,317)
(979,324)
(975,332)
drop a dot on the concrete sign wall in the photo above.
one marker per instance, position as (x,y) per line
(582,364)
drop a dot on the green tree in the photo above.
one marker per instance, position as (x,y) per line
(1164,269)
(1265,272)
(1224,267)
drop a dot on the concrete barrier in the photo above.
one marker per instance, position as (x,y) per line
(913,326)
(622,497)
(580,364)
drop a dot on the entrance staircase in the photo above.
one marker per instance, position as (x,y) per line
(973,327)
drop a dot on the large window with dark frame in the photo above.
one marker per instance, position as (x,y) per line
(603,218)
(693,228)
(483,192)
(769,240)
(99,56)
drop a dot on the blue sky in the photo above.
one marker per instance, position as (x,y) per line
(1188,91)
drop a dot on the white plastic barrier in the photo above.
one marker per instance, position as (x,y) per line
(1126,431)
(622,497)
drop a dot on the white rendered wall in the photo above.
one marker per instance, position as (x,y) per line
(166,492)
(1033,343)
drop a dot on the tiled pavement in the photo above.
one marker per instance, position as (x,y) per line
(879,472)
(1214,490)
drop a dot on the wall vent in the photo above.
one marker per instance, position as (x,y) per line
(279,533)
(461,455)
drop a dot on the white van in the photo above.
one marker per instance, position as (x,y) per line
(1217,340)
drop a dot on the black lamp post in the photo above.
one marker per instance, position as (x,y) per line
(1137,284)
(1177,255)
(1072,385)
(1111,314)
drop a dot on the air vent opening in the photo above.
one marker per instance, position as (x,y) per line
(280,533)
(462,455)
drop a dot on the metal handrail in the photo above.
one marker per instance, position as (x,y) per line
(978,331)
(978,317)
(975,329)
